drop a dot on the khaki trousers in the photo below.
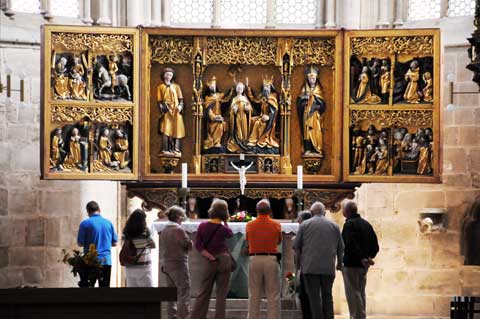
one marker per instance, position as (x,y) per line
(214,272)
(355,280)
(178,276)
(263,275)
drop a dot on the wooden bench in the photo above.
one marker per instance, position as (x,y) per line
(84,303)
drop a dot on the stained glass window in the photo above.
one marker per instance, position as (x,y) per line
(244,12)
(27,6)
(192,11)
(296,11)
(424,9)
(461,8)
(65,8)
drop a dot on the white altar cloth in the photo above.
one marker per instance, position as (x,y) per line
(192,226)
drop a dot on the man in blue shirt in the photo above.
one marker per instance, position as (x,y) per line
(99,231)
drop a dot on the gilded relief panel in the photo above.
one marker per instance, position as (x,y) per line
(90,103)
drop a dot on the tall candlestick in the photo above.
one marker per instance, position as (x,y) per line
(299,177)
(184,175)
(242,157)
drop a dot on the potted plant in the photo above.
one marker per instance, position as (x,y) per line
(86,265)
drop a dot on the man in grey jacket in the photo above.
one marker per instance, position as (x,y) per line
(319,244)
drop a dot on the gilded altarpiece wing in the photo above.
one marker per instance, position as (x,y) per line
(216,94)
(90,103)
(391,106)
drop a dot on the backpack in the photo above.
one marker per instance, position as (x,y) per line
(128,254)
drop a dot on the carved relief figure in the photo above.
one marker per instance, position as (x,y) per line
(76,83)
(170,102)
(385,81)
(113,69)
(109,80)
(263,131)
(364,94)
(57,152)
(121,152)
(216,125)
(74,157)
(105,148)
(412,76)
(359,149)
(240,117)
(192,210)
(61,79)
(311,106)
(424,157)
(289,211)
(428,89)
(375,71)
(381,154)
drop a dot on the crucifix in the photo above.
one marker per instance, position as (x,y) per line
(242,166)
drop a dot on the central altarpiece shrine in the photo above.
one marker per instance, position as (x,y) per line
(347,106)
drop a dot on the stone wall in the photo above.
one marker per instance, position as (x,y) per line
(417,274)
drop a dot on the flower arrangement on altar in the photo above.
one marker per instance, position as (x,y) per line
(86,265)
(241,216)
(290,277)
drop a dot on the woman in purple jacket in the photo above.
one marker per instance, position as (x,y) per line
(211,243)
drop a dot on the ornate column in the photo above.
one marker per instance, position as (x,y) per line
(399,13)
(320,21)
(285,62)
(134,8)
(167,7)
(87,12)
(156,16)
(103,13)
(198,67)
(331,14)
(271,10)
(217,14)
(45,6)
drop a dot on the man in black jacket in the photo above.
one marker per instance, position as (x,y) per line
(361,246)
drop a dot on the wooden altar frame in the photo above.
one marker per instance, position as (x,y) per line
(146,173)
(47,102)
(435,107)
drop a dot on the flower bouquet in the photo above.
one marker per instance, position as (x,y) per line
(290,277)
(86,265)
(241,216)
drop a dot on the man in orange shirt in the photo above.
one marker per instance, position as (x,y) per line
(263,236)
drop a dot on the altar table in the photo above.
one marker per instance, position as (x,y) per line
(237,245)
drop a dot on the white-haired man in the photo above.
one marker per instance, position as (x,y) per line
(361,246)
(318,244)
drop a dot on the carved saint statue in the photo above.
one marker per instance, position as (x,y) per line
(311,106)
(381,154)
(216,125)
(192,210)
(263,131)
(412,76)
(76,82)
(61,79)
(170,102)
(57,152)
(242,176)
(240,116)
(120,151)
(385,81)
(105,148)
(74,157)
(428,89)
(359,149)
(424,158)
(364,94)
(113,69)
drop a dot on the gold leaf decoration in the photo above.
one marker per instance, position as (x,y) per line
(96,42)
(172,50)
(416,45)
(103,114)
(388,118)
(241,50)
(314,51)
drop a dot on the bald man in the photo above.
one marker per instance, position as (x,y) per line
(263,236)
(319,244)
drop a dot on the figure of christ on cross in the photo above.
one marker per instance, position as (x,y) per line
(241,172)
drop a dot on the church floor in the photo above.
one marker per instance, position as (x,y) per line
(237,309)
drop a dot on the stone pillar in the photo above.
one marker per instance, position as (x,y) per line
(331,14)
(271,10)
(167,8)
(216,14)
(45,7)
(320,21)
(156,13)
(386,14)
(134,9)
(87,12)
(103,14)
(398,13)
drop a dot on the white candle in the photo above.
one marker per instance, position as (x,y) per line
(242,157)
(299,177)
(184,175)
